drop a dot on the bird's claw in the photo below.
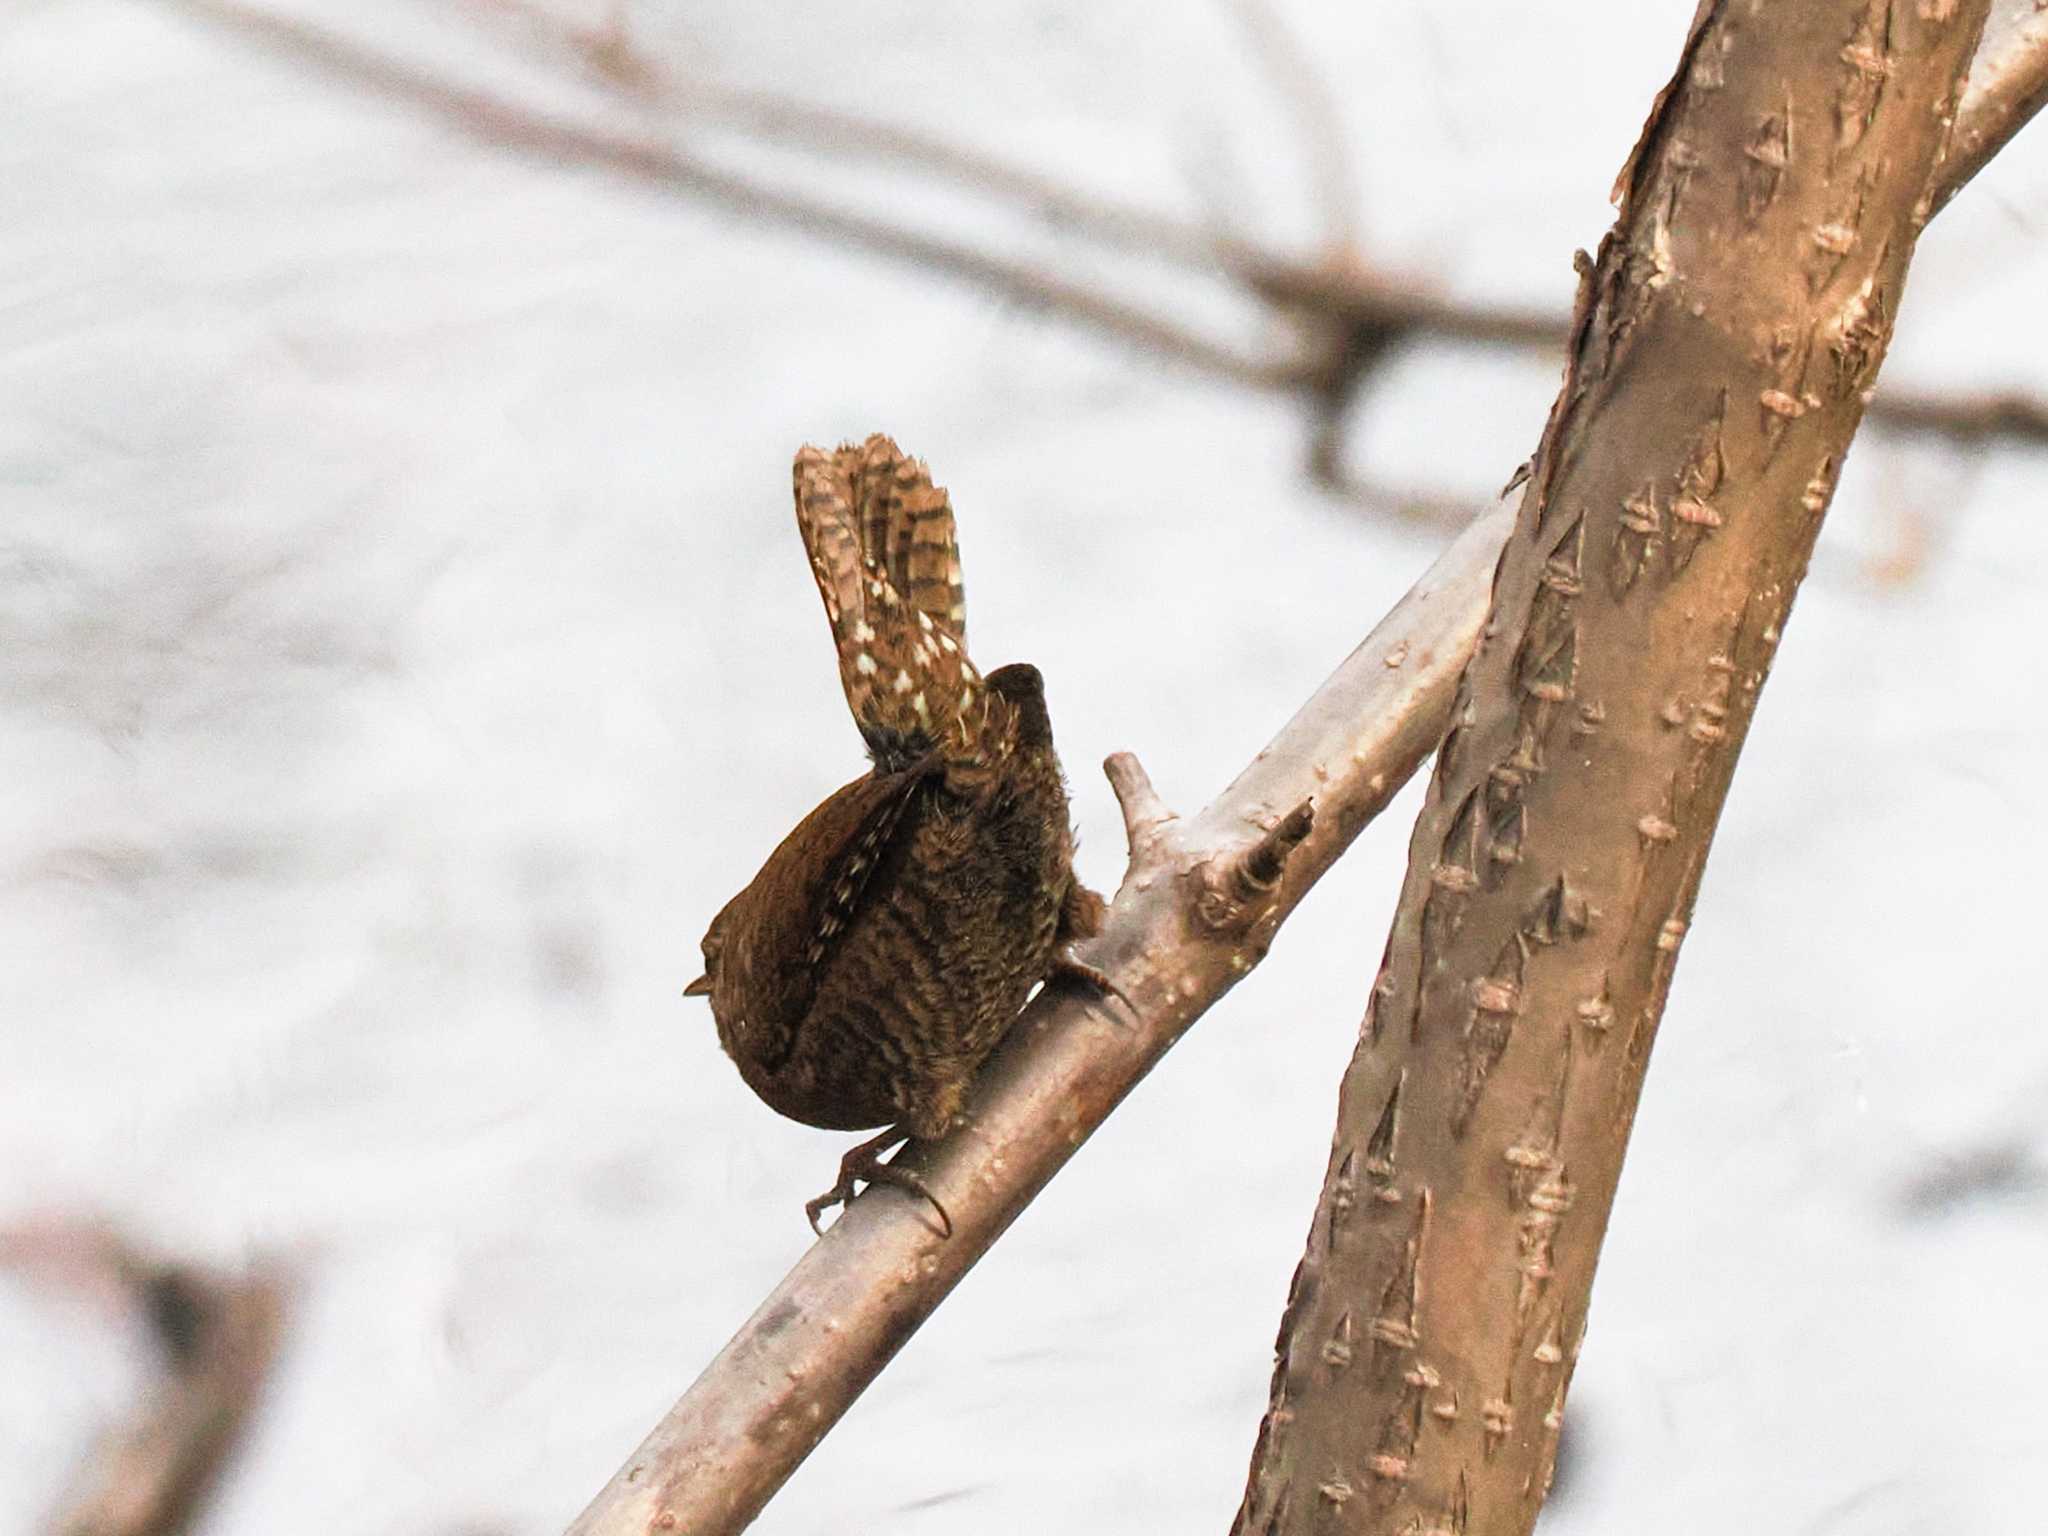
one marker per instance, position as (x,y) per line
(864,1165)
(1067,965)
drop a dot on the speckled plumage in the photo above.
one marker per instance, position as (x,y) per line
(885,947)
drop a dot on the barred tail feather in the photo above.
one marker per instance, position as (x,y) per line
(907,531)
(883,551)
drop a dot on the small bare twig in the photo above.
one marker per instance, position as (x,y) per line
(1258,869)
(1146,816)
(1231,893)
(216,1336)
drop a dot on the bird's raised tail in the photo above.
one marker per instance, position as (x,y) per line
(887,562)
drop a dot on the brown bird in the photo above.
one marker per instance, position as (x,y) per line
(883,950)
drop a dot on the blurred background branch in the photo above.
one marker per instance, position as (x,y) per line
(1330,321)
(215,1336)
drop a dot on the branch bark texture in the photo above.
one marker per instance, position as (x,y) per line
(1722,352)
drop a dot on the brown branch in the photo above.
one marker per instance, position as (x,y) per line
(1353,317)
(1368,315)
(1964,418)
(1718,369)
(556,139)
(1349,318)
(608,55)
(1333,286)
(828,1329)
(2008,85)
(216,1337)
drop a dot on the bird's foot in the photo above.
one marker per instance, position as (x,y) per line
(1067,965)
(864,1165)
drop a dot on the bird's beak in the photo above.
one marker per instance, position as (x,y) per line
(701,987)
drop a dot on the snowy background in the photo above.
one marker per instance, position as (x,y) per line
(405,648)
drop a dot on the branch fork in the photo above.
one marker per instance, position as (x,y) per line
(1231,892)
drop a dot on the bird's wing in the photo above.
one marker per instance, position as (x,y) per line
(777,937)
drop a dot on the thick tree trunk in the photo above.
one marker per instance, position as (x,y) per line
(1726,340)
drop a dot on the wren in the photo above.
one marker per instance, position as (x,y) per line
(868,970)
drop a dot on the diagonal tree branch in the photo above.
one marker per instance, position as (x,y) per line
(1726,339)
(2008,85)
(1197,908)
